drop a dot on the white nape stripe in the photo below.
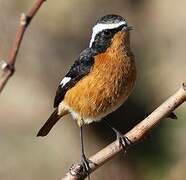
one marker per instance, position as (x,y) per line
(100,27)
(64,81)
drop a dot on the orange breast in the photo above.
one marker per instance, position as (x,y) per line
(106,87)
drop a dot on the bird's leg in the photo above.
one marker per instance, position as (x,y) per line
(85,162)
(124,141)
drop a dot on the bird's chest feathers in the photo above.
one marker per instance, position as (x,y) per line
(107,86)
(112,71)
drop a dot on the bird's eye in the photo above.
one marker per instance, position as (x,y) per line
(107,33)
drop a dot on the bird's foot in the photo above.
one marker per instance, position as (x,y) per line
(85,163)
(124,141)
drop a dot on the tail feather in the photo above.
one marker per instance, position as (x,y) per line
(52,120)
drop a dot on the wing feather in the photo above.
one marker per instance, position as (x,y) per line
(78,70)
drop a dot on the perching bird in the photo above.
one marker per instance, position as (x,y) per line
(100,80)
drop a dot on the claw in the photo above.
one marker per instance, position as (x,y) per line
(124,141)
(85,163)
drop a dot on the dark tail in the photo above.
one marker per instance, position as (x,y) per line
(52,120)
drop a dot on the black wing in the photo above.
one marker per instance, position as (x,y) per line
(79,69)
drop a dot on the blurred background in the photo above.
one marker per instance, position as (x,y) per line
(56,36)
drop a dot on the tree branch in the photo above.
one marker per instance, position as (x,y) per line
(135,135)
(8,67)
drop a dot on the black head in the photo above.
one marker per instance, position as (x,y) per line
(104,30)
(110,19)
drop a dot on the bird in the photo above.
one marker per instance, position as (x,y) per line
(100,80)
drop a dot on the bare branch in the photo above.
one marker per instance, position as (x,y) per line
(8,67)
(135,135)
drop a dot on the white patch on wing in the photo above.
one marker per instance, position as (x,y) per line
(100,27)
(64,81)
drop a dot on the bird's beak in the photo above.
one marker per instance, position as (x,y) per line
(128,28)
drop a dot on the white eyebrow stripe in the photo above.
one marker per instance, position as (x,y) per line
(100,27)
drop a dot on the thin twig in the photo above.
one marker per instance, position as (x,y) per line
(8,67)
(135,135)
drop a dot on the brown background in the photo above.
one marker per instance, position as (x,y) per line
(58,33)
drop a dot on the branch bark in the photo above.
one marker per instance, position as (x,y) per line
(135,135)
(8,67)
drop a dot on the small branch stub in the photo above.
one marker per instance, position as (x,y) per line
(76,170)
(24,20)
(184,86)
(3,64)
(6,67)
